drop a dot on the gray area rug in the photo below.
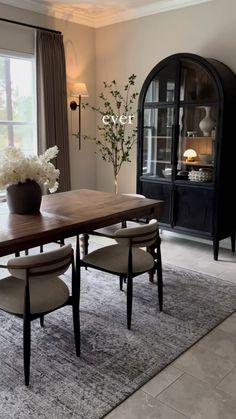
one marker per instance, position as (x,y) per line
(114,361)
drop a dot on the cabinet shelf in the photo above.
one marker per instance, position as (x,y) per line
(164,137)
(199,138)
(161,161)
(197,163)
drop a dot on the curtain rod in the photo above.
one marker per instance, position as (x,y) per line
(29,26)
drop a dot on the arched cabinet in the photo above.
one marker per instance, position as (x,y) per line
(187,146)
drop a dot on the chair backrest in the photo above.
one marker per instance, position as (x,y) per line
(135,195)
(48,264)
(140,236)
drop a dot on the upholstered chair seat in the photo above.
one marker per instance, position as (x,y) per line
(115,258)
(45,295)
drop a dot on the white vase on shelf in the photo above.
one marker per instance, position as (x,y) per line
(207,124)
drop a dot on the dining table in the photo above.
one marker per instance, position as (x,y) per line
(67,214)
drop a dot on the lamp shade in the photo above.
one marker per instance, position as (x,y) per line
(190,153)
(79,89)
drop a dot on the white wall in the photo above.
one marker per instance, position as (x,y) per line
(118,50)
(136,46)
(80,65)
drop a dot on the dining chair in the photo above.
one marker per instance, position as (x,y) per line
(127,259)
(34,289)
(110,230)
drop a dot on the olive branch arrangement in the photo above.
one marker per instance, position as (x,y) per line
(116,135)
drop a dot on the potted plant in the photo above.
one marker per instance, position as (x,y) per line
(23,177)
(116,131)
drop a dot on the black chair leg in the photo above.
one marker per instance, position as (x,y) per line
(76,323)
(129,300)
(41,248)
(160,288)
(26,348)
(41,321)
(75,306)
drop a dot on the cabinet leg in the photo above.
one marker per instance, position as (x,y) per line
(233,241)
(216,249)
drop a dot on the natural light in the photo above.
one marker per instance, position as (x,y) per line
(17,103)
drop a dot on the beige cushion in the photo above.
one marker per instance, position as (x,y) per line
(109,231)
(115,259)
(45,294)
(143,235)
(135,195)
(53,257)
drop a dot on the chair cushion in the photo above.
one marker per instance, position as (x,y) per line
(45,294)
(52,258)
(141,235)
(109,231)
(115,259)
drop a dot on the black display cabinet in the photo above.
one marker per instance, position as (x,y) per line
(187,146)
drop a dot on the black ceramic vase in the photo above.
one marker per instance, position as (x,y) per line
(24,198)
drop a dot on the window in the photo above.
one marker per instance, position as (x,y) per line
(17,102)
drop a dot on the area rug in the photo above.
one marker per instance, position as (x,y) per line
(114,361)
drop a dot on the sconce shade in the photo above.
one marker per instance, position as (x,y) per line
(79,89)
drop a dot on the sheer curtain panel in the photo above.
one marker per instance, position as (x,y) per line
(52,101)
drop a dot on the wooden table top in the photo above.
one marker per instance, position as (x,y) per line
(67,214)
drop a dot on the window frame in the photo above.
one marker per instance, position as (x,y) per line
(31,57)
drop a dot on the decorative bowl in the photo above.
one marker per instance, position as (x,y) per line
(167,173)
(205,158)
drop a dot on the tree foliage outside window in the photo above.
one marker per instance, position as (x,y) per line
(17,103)
(115,140)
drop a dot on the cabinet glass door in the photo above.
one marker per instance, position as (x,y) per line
(157,141)
(196,84)
(196,147)
(162,87)
(157,126)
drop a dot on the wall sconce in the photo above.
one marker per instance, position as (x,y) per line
(190,154)
(79,90)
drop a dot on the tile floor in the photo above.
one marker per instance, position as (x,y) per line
(201,383)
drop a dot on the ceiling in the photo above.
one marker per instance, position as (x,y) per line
(98,13)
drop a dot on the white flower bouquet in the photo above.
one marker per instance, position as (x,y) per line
(15,168)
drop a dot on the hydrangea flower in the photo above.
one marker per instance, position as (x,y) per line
(15,167)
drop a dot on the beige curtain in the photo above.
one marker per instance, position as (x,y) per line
(52,101)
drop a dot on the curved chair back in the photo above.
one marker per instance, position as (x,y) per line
(140,236)
(54,262)
(135,195)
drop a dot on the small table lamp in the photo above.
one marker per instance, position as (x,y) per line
(79,90)
(190,154)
